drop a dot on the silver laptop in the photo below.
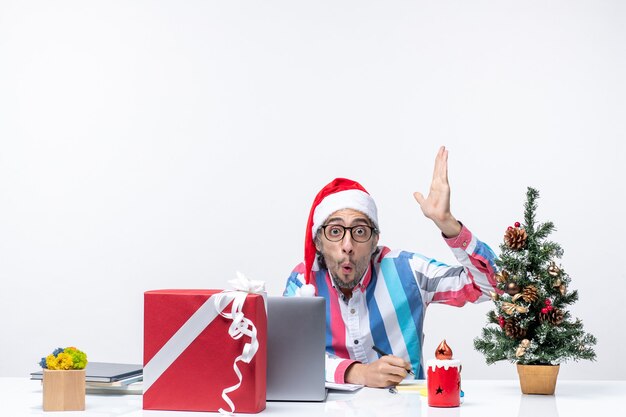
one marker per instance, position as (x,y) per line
(296,332)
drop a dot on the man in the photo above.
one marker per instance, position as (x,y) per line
(376,296)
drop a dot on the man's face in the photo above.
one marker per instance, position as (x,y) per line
(347,260)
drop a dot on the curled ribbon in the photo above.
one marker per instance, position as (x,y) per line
(240,326)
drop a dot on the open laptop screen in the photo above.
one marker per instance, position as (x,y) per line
(296,329)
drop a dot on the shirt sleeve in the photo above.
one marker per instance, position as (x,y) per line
(471,281)
(336,368)
(295,281)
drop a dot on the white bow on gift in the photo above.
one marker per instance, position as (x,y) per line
(241,326)
(242,283)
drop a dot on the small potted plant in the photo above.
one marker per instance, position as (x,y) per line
(64,380)
(531,325)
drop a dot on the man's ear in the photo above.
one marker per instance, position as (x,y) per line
(374,242)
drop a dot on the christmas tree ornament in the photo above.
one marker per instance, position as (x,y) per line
(512,288)
(521,348)
(517,224)
(553,270)
(553,316)
(557,283)
(513,330)
(494,295)
(501,321)
(502,277)
(529,294)
(562,289)
(508,308)
(511,308)
(515,238)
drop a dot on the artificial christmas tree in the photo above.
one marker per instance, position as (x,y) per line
(532,325)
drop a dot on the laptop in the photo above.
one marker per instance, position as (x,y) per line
(296,337)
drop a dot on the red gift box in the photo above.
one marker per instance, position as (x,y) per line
(189,353)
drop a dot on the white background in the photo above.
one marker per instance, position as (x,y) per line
(167,144)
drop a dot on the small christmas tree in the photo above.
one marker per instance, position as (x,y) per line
(532,325)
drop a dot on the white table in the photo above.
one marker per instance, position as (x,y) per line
(21,396)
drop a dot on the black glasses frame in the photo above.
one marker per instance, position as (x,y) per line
(344,228)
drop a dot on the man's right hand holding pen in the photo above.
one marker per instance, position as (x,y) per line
(387,371)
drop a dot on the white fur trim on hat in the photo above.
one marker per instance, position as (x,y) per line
(348,199)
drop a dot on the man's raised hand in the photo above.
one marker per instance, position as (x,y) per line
(437,205)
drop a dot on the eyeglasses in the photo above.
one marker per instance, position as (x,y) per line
(360,234)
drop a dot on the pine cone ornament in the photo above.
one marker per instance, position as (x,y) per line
(529,294)
(515,238)
(512,329)
(553,316)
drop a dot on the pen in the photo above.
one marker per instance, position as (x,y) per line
(382,353)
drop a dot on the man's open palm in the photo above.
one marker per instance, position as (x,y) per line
(437,205)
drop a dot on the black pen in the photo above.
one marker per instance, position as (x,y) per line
(382,353)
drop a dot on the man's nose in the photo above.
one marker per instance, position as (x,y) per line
(347,244)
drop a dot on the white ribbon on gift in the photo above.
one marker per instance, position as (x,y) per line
(187,333)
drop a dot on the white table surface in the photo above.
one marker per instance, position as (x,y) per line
(498,398)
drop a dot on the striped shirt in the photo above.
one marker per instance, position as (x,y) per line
(387,307)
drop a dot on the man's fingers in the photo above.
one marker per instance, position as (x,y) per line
(394,380)
(441,165)
(388,370)
(395,366)
(444,166)
(393,360)
(419,198)
(437,166)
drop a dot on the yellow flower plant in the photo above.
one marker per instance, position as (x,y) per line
(64,359)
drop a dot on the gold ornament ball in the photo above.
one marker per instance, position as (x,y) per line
(512,288)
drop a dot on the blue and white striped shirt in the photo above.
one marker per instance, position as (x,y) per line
(387,307)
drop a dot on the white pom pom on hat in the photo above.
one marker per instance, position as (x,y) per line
(307,290)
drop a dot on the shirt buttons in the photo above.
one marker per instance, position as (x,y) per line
(464,244)
(356,342)
(352,311)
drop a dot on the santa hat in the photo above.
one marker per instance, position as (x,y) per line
(341,193)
